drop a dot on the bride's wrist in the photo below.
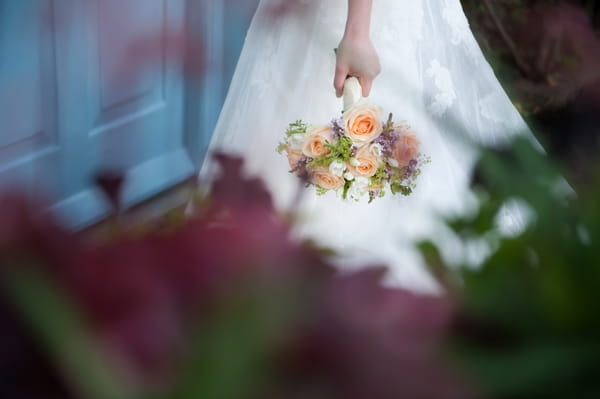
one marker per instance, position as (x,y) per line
(358,22)
(357,35)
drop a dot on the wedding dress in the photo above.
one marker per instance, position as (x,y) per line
(434,76)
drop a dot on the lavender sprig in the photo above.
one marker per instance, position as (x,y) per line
(387,140)
(410,168)
(301,164)
(388,137)
(388,172)
(337,124)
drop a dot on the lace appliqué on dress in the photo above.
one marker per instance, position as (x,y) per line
(460,31)
(457,21)
(488,107)
(446,95)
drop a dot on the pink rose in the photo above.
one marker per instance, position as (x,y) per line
(406,148)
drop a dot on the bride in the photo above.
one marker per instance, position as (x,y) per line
(415,58)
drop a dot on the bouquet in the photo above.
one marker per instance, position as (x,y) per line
(358,154)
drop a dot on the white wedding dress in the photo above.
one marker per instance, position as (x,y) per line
(434,76)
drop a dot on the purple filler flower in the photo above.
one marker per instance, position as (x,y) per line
(337,124)
(387,140)
(388,172)
(301,164)
(410,168)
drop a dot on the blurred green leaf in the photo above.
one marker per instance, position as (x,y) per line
(532,306)
(230,357)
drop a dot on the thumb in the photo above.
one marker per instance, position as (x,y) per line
(341,74)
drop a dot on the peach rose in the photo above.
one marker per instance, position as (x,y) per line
(322,177)
(314,143)
(406,149)
(363,122)
(365,163)
(293,157)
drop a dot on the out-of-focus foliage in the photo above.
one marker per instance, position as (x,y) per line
(547,55)
(546,51)
(224,305)
(227,305)
(528,324)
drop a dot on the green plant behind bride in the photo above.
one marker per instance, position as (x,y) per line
(528,323)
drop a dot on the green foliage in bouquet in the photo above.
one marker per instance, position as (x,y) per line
(340,150)
(400,188)
(297,127)
(528,325)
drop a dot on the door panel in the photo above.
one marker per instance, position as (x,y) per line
(135,91)
(29,142)
(125,31)
(130,90)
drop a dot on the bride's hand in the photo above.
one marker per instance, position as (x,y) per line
(356,56)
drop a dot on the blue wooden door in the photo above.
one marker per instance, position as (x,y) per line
(101,85)
(88,86)
(123,82)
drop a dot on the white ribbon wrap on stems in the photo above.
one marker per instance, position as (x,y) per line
(352,92)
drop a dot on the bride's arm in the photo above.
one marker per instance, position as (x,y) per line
(356,55)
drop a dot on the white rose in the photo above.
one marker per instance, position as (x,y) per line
(376,149)
(362,182)
(337,168)
(358,188)
(296,141)
(348,176)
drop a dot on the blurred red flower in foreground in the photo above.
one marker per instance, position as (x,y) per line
(146,297)
(368,341)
